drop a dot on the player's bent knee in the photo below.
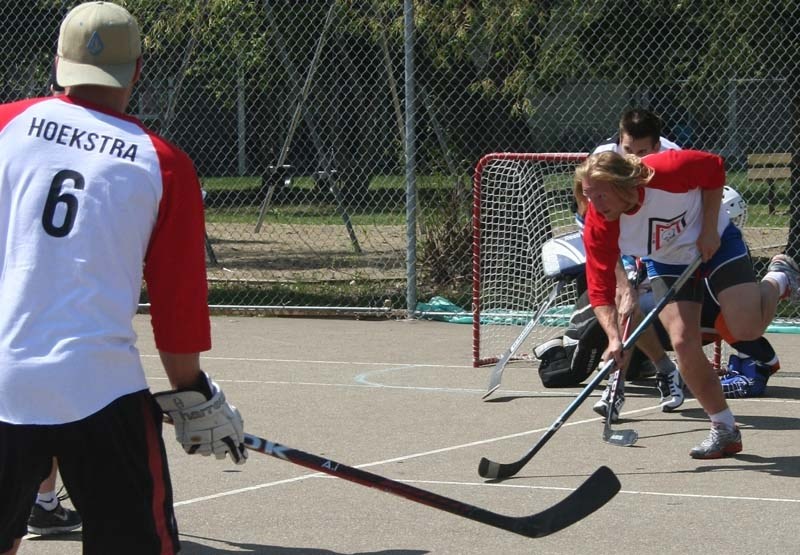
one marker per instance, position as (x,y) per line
(745,329)
(682,344)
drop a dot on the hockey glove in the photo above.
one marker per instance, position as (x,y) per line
(204,422)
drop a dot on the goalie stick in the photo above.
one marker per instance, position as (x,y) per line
(500,471)
(622,438)
(497,372)
(592,494)
(562,258)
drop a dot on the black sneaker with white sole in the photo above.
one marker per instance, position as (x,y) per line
(601,407)
(57,521)
(672,390)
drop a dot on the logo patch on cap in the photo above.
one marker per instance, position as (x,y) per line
(95,45)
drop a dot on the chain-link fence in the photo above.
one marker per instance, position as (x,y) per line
(296,114)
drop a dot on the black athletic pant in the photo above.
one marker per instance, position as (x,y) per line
(114,466)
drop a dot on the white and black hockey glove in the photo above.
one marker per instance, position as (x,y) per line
(204,422)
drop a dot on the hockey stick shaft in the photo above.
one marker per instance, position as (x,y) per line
(493,470)
(622,438)
(597,490)
(497,371)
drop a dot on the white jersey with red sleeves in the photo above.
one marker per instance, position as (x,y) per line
(90,203)
(613,145)
(665,226)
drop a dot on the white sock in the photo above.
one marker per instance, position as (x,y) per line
(47,501)
(774,364)
(780,279)
(664,365)
(725,418)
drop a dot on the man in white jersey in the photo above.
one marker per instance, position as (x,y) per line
(639,133)
(93,202)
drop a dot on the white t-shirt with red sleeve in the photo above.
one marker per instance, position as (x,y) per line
(90,203)
(666,225)
(613,145)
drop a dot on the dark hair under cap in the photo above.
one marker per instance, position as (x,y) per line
(53,82)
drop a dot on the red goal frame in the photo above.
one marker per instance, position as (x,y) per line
(479,359)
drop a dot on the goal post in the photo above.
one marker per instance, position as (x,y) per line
(520,200)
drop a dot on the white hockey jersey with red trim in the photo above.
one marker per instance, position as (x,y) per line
(666,225)
(90,203)
(613,145)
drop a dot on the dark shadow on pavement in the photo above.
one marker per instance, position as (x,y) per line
(749,421)
(680,432)
(781,392)
(787,467)
(192,548)
(508,398)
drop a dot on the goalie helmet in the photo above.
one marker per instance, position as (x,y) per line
(735,206)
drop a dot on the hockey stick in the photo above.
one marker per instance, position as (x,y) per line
(623,438)
(493,470)
(592,494)
(497,372)
(562,258)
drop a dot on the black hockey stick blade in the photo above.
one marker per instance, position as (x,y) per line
(595,492)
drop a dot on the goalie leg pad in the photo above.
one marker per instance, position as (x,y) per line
(745,377)
(589,349)
(555,367)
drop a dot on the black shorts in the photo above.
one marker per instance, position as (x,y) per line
(730,265)
(737,271)
(114,466)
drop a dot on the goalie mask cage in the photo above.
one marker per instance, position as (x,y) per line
(519,202)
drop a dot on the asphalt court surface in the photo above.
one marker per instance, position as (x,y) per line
(400,399)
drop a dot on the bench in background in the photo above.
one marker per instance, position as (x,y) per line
(768,168)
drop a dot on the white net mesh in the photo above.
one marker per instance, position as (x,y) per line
(521,201)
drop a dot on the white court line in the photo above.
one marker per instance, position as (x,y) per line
(344,362)
(481,484)
(247,489)
(367,384)
(382,386)
(431,452)
(363,379)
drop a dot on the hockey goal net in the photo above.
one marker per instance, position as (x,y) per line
(519,202)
